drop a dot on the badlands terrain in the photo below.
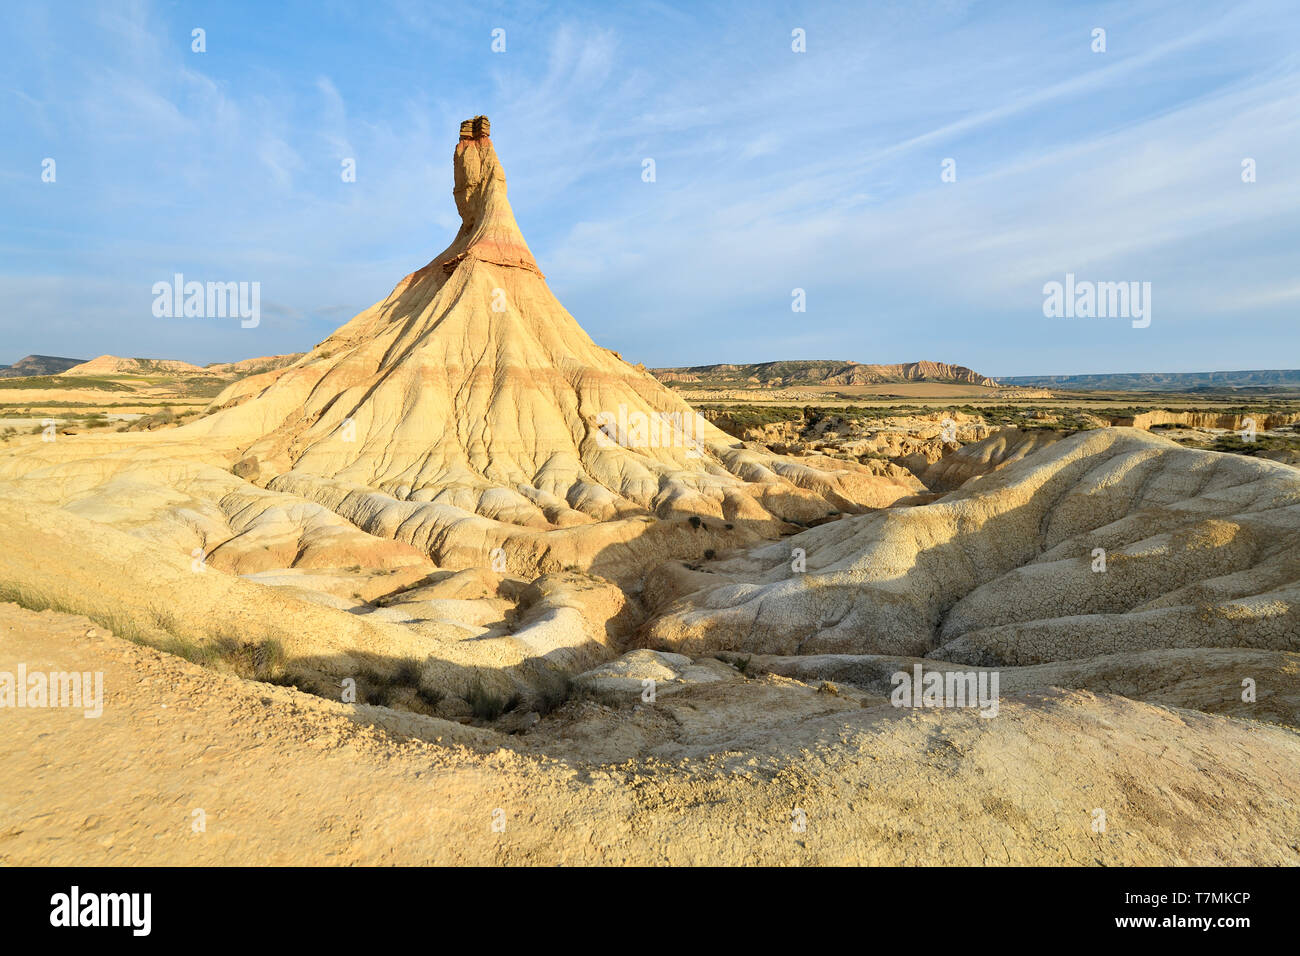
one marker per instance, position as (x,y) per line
(459,585)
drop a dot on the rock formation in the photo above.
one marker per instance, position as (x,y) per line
(469,411)
(911,372)
(115,365)
(464,422)
(37,365)
(1229,421)
(1106,542)
(798,372)
(972,461)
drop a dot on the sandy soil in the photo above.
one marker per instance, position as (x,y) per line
(286,778)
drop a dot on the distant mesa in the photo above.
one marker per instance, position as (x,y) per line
(116,365)
(38,365)
(252,366)
(783,374)
(1165,381)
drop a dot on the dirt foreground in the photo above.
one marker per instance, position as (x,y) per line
(785,773)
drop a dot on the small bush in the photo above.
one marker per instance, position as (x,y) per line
(554,695)
(432,698)
(488,705)
(261,660)
(407,672)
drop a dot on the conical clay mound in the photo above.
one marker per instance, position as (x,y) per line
(469,407)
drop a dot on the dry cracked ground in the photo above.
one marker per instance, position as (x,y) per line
(460,586)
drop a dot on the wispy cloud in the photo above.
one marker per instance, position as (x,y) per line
(774,170)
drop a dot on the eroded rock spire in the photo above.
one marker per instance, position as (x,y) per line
(477,128)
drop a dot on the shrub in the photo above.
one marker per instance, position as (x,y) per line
(488,705)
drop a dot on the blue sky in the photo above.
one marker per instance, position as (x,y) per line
(775,170)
